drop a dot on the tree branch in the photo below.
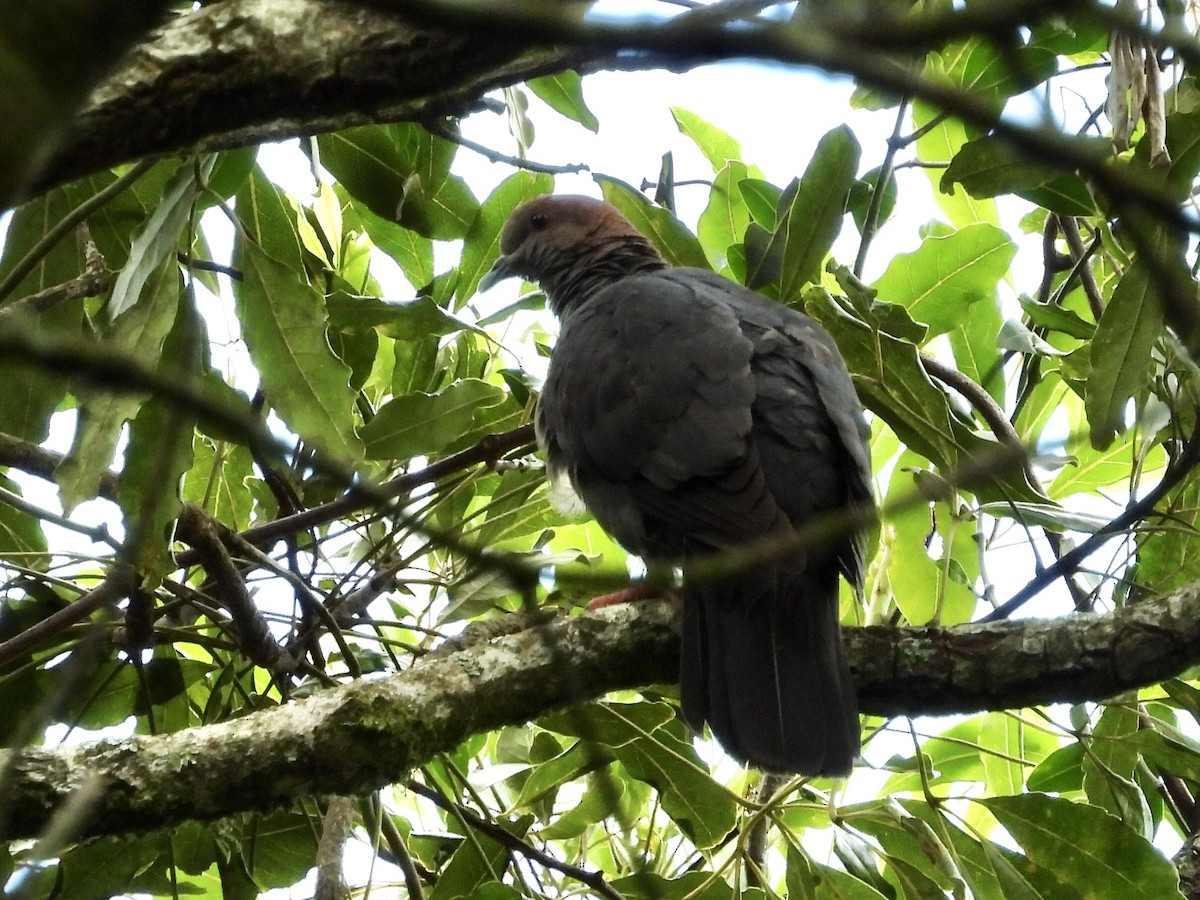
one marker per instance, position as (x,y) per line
(356,738)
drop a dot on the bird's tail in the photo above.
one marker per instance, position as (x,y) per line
(763,665)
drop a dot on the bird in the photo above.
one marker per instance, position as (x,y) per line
(694,416)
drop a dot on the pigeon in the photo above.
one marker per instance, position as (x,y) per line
(696,418)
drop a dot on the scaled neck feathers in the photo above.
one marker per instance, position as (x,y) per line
(571,279)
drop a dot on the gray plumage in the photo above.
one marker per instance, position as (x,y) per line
(692,415)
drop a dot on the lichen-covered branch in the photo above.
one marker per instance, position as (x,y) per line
(242,72)
(352,739)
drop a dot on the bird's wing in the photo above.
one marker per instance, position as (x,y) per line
(647,406)
(808,426)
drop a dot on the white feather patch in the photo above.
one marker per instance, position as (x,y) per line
(563,496)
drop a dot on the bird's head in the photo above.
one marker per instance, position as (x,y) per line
(556,240)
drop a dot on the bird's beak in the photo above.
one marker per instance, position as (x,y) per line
(500,270)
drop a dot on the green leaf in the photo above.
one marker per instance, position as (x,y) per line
(1047,515)
(837,885)
(563,92)
(106,867)
(137,334)
(405,320)
(160,453)
(809,216)
(1091,471)
(677,245)
(892,383)
(1168,558)
(31,394)
(989,71)
(283,322)
(576,761)
(1058,318)
(1086,847)
(267,214)
(977,351)
(1109,769)
(702,808)
(1002,740)
(159,237)
(939,143)
(726,217)
(954,757)
(862,192)
(420,423)
(905,841)
(280,848)
(1067,194)
(1120,352)
(601,799)
(412,252)
(610,725)
(476,865)
(1061,772)
(938,282)
(1183,145)
(991,166)
(640,736)
(22,542)
(481,246)
(719,147)
(518,507)
(689,886)
(762,199)
(402,173)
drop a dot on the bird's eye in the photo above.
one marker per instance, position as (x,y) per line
(538,221)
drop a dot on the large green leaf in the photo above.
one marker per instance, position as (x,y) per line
(640,735)
(808,219)
(1169,558)
(475,868)
(726,217)
(977,351)
(402,173)
(1110,766)
(158,239)
(1086,847)
(989,71)
(481,246)
(563,92)
(1120,352)
(718,146)
(267,214)
(407,320)
(940,138)
(893,384)
(939,281)
(279,848)
(31,393)
(420,423)
(991,166)
(137,334)
(412,252)
(677,245)
(283,322)
(160,453)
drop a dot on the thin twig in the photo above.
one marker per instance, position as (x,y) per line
(497,157)
(882,179)
(1069,562)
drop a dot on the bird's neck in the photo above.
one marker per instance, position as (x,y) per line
(573,283)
